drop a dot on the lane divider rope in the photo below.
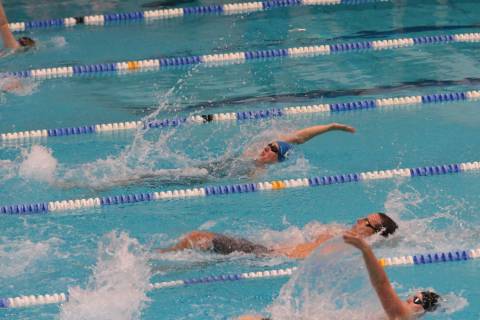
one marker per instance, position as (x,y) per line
(245,115)
(98,202)
(241,57)
(412,260)
(150,15)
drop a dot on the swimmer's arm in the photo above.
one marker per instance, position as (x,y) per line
(303,135)
(394,307)
(302,250)
(9,40)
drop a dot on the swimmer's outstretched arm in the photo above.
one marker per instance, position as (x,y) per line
(394,307)
(8,39)
(302,250)
(303,135)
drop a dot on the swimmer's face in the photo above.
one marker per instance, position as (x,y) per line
(269,154)
(26,42)
(415,303)
(366,227)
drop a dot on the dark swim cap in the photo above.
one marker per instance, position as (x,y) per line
(283,148)
(429,300)
(26,42)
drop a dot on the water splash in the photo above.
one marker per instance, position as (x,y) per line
(139,161)
(426,229)
(19,255)
(57,42)
(332,283)
(294,235)
(14,85)
(117,288)
(401,202)
(452,302)
(7,170)
(38,164)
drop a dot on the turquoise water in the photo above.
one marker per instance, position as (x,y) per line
(88,248)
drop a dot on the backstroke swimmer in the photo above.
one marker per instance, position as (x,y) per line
(252,163)
(8,39)
(223,244)
(14,46)
(277,151)
(395,309)
(249,164)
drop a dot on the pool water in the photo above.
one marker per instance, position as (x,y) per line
(104,256)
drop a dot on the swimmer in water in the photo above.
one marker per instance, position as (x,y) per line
(7,83)
(253,163)
(277,151)
(395,309)
(243,166)
(9,40)
(222,244)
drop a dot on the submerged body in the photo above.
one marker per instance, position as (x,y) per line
(224,244)
(246,165)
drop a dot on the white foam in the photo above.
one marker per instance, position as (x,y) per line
(331,282)
(423,229)
(138,162)
(297,166)
(38,164)
(452,302)
(58,42)
(16,86)
(297,30)
(18,256)
(294,235)
(207,225)
(117,288)
(190,256)
(7,170)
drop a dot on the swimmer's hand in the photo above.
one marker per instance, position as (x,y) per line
(343,127)
(355,240)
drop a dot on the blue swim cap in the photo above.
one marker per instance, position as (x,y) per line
(283,148)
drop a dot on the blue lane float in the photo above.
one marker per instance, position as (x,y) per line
(242,57)
(244,115)
(232,189)
(151,15)
(419,260)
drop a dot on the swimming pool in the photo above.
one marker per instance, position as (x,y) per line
(104,250)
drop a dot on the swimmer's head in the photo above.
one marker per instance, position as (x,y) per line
(377,222)
(283,148)
(274,151)
(425,301)
(26,42)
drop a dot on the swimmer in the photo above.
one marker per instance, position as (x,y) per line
(242,166)
(223,244)
(277,151)
(7,83)
(253,163)
(9,40)
(395,309)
